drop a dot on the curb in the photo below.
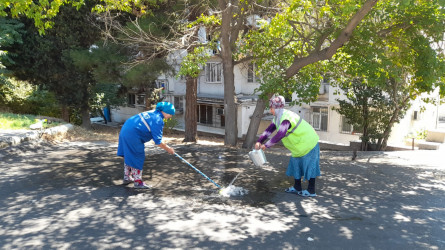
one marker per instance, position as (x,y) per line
(33,135)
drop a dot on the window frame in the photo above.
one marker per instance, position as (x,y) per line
(131,99)
(322,116)
(213,70)
(251,73)
(352,130)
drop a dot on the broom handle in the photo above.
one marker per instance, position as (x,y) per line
(197,170)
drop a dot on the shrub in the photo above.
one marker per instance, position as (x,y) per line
(170,124)
(23,98)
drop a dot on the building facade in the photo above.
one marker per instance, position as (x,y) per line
(329,124)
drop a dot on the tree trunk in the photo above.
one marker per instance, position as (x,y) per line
(227,34)
(65,113)
(365,136)
(255,123)
(86,122)
(102,115)
(190,117)
(386,133)
(231,129)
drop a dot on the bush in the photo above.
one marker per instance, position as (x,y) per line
(22,98)
(170,124)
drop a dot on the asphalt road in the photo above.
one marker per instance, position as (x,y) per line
(68,196)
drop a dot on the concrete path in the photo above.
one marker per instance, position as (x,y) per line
(68,196)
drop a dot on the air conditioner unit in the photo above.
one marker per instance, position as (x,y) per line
(220,111)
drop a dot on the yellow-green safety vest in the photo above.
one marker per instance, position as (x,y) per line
(301,140)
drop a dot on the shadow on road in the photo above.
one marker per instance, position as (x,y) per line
(69,196)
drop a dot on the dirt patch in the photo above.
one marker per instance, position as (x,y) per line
(100,132)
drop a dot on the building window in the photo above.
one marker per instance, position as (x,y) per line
(347,128)
(251,73)
(320,118)
(211,115)
(178,102)
(163,85)
(205,114)
(140,100)
(131,100)
(213,72)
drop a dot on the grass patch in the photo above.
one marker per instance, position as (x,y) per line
(17,121)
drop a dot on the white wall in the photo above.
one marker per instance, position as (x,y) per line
(241,84)
(121,114)
(333,133)
(426,120)
(245,112)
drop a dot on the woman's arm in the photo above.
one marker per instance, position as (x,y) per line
(166,148)
(269,130)
(284,127)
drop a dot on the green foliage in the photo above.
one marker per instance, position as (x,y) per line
(45,61)
(75,116)
(104,62)
(396,54)
(193,63)
(19,121)
(106,95)
(170,124)
(16,121)
(41,11)
(301,28)
(206,20)
(22,98)
(369,109)
(145,74)
(44,12)
(107,64)
(10,33)
(420,134)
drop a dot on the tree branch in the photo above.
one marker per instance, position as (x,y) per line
(327,53)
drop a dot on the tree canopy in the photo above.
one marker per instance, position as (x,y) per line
(397,52)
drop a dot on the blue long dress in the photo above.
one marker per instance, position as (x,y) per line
(135,133)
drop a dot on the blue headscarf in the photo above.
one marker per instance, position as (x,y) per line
(166,107)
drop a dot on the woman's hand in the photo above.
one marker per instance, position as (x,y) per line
(263,147)
(166,148)
(170,150)
(257,145)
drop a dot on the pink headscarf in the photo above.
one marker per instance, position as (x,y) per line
(277,102)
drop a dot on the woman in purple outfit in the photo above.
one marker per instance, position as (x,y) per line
(301,139)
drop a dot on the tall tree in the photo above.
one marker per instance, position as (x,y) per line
(294,47)
(45,60)
(191,67)
(402,57)
(369,109)
(165,32)
(230,28)
(43,12)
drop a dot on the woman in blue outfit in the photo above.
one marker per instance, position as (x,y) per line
(138,130)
